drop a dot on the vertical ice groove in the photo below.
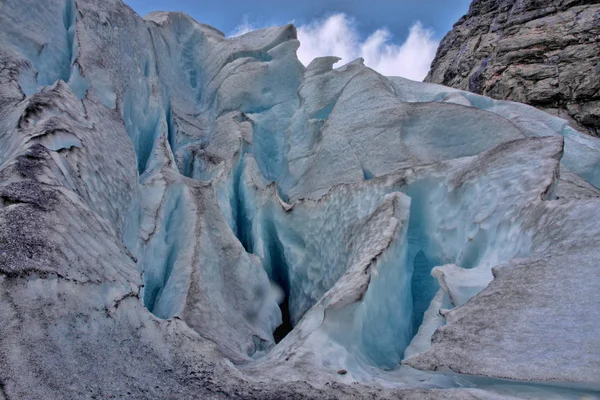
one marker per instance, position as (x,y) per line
(165,226)
(279,273)
(423,250)
(70,24)
(158,274)
(385,312)
(171,128)
(144,124)
(51,46)
(239,206)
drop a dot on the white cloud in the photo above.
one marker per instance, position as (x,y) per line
(244,27)
(333,36)
(338,36)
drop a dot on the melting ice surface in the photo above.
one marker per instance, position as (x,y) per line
(377,206)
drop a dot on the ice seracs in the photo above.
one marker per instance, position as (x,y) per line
(187,213)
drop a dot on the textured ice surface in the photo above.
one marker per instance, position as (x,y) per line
(188,216)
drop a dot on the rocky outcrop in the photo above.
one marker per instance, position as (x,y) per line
(545,53)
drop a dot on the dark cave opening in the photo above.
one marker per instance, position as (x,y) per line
(279,275)
(286,326)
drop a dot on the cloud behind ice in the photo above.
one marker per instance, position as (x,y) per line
(244,27)
(337,35)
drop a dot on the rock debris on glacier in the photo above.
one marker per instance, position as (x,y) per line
(184,215)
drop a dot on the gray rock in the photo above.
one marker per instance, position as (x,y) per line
(542,53)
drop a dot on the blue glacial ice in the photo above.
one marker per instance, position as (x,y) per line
(287,223)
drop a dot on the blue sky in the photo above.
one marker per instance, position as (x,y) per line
(395,37)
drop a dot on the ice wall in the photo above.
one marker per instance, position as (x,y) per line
(317,224)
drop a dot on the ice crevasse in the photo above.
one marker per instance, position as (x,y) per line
(199,206)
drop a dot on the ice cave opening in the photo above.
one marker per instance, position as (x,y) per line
(280,278)
(305,257)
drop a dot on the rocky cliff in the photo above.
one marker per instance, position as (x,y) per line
(545,53)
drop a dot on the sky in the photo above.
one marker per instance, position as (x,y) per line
(395,37)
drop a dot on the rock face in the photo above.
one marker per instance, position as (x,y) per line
(545,53)
(185,215)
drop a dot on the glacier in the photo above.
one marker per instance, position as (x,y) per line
(186,215)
